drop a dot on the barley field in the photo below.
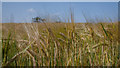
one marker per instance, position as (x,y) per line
(60,44)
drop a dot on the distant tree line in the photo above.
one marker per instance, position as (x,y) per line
(43,20)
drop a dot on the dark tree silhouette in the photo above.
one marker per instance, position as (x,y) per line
(38,20)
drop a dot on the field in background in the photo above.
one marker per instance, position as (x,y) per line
(0,44)
(60,44)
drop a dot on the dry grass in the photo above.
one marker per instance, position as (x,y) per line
(60,44)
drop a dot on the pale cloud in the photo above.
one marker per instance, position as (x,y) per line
(31,10)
